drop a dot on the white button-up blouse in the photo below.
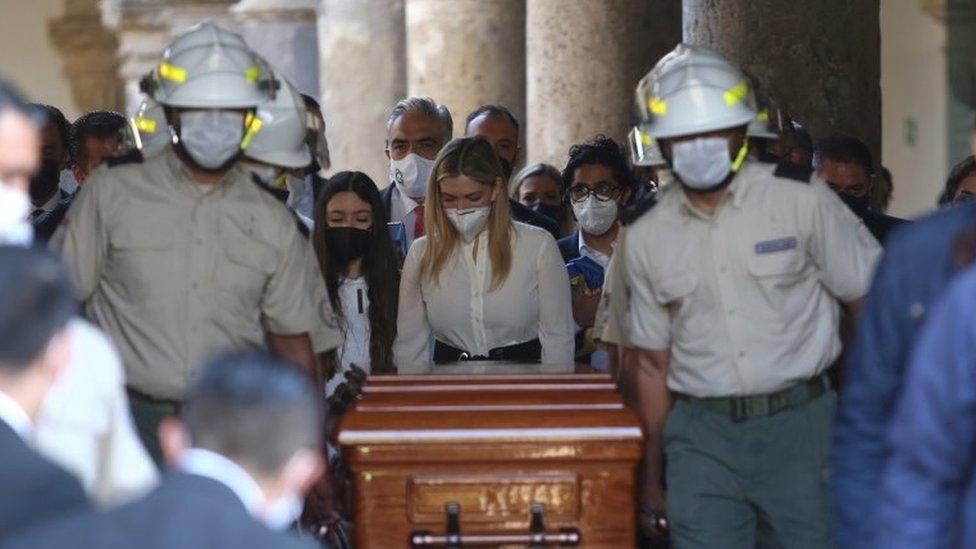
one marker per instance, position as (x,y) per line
(462,311)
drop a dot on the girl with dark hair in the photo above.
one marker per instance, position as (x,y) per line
(357,260)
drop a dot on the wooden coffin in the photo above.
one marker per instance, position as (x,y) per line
(495,446)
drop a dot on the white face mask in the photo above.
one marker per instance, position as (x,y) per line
(15,206)
(267,174)
(411,173)
(702,163)
(211,137)
(469,222)
(595,217)
(282,512)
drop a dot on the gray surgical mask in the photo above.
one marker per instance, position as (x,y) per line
(211,137)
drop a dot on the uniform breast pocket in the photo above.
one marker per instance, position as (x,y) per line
(141,263)
(777,277)
(244,269)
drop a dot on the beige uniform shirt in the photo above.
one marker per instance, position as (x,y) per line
(746,298)
(610,325)
(175,271)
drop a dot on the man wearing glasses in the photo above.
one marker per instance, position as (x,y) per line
(599,185)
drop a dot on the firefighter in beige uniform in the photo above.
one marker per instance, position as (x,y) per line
(734,303)
(183,256)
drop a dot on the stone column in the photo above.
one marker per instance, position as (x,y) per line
(89,52)
(466,53)
(362,73)
(284,32)
(821,63)
(584,59)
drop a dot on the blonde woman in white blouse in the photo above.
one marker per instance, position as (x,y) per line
(485,287)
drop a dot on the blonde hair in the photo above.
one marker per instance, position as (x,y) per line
(474,158)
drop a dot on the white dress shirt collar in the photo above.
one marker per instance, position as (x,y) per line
(197,461)
(14,415)
(585,250)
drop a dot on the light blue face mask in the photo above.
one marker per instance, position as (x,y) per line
(211,137)
(704,163)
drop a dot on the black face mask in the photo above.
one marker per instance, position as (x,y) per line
(857,204)
(554,213)
(45,182)
(347,243)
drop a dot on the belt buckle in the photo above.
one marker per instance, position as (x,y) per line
(744,408)
(463,356)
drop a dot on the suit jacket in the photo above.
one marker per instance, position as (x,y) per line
(519,213)
(569,247)
(183,511)
(33,491)
(48,222)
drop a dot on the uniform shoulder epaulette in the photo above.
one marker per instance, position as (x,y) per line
(788,170)
(132,157)
(634,212)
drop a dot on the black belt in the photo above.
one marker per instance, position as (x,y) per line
(148,399)
(530,351)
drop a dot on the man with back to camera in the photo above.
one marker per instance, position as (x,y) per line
(244,452)
(183,254)
(36,304)
(735,314)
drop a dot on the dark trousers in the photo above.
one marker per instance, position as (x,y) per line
(148,413)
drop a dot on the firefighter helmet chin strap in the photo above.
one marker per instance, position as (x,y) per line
(740,158)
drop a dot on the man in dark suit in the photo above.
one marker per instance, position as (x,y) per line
(846,164)
(36,303)
(499,126)
(246,450)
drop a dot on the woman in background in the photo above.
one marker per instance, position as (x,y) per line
(540,187)
(484,287)
(354,251)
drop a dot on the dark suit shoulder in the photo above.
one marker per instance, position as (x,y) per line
(569,247)
(788,170)
(33,490)
(528,216)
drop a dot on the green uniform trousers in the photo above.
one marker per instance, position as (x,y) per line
(760,482)
(147,414)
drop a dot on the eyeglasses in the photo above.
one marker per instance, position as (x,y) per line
(604,191)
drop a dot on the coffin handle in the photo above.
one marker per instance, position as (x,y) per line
(537,537)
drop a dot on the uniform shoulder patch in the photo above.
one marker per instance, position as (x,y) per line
(132,157)
(788,170)
(635,211)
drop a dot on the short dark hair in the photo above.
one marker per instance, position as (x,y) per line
(254,409)
(845,149)
(492,110)
(97,124)
(962,170)
(603,151)
(36,302)
(53,115)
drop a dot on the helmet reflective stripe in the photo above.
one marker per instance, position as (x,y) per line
(693,90)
